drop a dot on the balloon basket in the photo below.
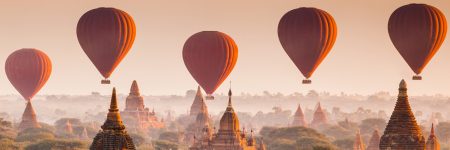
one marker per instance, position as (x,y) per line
(209,97)
(106,81)
(306,81)
(417,77)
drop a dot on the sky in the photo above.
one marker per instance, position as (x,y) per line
(363,59)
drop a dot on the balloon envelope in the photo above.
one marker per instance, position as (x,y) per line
(210,56)
(307,35)
(106,35)
(417,31)
(28,70)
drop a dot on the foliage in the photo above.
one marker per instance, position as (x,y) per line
(8,144)
(338,132)
(169,136)
(370,124)
(344,143)
(164,145)
(295,138)
(146,147)
(34,134)
(138,139)
(58,144)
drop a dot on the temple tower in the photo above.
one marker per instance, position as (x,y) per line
(68,127)
(319,117)
(113,134)
(402,131)
(29,118)
(299,118)
(135,115)
(84,135)
(374,141)
(358,144)
(199,103)
(134,100)
(229,137)
(433,141)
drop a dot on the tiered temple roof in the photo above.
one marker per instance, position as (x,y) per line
(374,141)
(402,131)
(319,117)
(358,144)
(199,103)
(113,135)
(229,137)
(29,118)
(135,115)
(299,118)
(84,135)
(433,142)
(68,127)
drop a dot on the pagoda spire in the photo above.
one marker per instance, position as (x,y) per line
(402,125)
(199,104)
(319,117)
(358,143)
(113,134)
(229,97)
(113,120)
(84,135)
(29,118)
(433,141)
(134,90)
(299,117)
(374,141)
(68,127)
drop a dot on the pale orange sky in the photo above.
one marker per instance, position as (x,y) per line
(363,59)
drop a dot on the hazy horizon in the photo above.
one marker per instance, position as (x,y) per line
(363,59)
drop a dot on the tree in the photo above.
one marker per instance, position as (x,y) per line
(344,143)
(34,135)
(295,138)
(8,144)
(58,144)
(169,136)
(338,132)
(138,139)
(369,125)
(164,145)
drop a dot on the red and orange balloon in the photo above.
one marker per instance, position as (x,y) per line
(106,36)
(417,31)
(210,56)
(307,35)
(28,70)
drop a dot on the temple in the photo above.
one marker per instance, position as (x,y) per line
(358,144)
(202,120)
(29,118)
(113,135)
(68,128)
(229,136)
(198,104)
(402,131)
(84,134)
(374,143)
(135,115)
(299,118)
(432,142)
(319,117)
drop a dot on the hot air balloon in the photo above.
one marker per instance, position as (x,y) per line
(417,31)
(210,56)
(307,35)
(28,70)
(106,35)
